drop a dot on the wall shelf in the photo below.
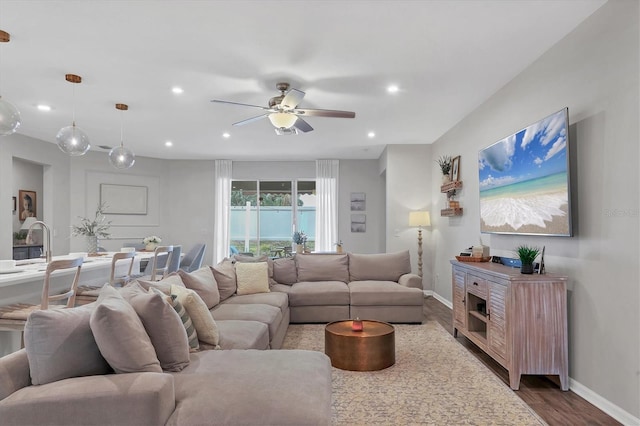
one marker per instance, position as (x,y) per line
(451,186)
(451,212)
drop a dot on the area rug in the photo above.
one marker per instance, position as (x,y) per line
(435,381)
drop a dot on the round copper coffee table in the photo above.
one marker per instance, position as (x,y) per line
(371,349)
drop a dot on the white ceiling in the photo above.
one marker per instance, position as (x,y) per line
(447,57)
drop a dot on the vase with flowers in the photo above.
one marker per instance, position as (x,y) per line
(92,229)
(299,239)
(151,242)
(445,167)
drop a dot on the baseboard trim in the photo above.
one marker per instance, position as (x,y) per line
(579,389)
(605,405)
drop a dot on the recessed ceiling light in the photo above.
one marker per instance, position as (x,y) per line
(177,90)
(371,134)
(168,143)
(226,135)
(393,89)
(43,107)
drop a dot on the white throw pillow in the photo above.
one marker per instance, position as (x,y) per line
(203,322)
(252,278)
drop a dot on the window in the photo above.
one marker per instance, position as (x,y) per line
(263,216)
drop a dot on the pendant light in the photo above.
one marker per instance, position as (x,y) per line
(9,115)
(119,156)
(72,139)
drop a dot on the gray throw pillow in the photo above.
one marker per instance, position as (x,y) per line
(204,283)
(163,325)
(284,271)
(60,345)
(225,275)
(120,335)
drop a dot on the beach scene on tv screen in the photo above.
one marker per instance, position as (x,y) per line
(524,181)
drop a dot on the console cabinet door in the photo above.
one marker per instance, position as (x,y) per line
(497,324)
(459,293)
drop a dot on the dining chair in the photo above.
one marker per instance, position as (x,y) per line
(88,293)
(14,317)
(193,259)
(159,266)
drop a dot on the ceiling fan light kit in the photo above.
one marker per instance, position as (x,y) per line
(72,139)
(284,114)
(9,115)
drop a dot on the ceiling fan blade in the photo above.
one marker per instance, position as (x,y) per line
(251,120)
(324,113)
(302,125)
(238,103)
(292,99)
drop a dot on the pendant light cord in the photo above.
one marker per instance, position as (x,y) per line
(121,128)
(73,104)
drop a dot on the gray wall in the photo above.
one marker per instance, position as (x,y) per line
(593,72)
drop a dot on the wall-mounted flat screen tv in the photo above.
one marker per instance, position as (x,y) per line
(524,181)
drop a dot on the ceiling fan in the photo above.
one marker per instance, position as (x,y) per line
(284,114)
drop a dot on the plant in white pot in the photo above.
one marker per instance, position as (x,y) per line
(445,166)
(151,242)
(92,229)
(527,256)
(299,239)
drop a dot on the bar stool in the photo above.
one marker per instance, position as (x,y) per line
(14,317)
(87,293)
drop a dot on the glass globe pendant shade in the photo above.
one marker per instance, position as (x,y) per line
(73,140)
(121,157)
(9,118)
(283,120)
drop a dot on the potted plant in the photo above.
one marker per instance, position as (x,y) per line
(299,239)
(527,256)
(93,228)
(339,247)
(445,166)
(151,242)
(20,237)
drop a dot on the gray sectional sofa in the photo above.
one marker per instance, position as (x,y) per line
(241,306)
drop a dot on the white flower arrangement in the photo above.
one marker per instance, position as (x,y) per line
(152,240)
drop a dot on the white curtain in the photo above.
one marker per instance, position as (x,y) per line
(327,174)
(222,202)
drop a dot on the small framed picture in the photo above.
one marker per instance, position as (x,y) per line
(358,201)
(27,204)
(455,169)
(15,204)
(358,223)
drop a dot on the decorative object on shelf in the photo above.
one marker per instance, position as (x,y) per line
(455,169)
(9,115)
(151,242)
(472,259)
(26,227)
(445,166)
(28,204)
(72,139)
(356,325)
(93,229)
(20,237)
(119,156)
(299,239)
(527,256)
(419,219)
(339,247)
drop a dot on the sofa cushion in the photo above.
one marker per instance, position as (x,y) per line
(284,270)
(240,258)
(273,298)
(252,278)
(225,275)
(382,266)
(323,267)
(192,336)
(203,322)
(266,314)
(319,293)
(120,335)
(163,285)
(204,283)
(163,325)
(384,293)
(60,344)
(240,334)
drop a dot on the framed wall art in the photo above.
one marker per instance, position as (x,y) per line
(27,204)
(358,201)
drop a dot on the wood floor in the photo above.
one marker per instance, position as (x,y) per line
(541,393)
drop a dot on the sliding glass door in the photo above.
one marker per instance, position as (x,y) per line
(263,216)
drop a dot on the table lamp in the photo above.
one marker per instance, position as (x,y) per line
(26,225)
(419,219)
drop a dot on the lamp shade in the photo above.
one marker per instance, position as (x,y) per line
(419,218)
(28,222)
(282,120)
